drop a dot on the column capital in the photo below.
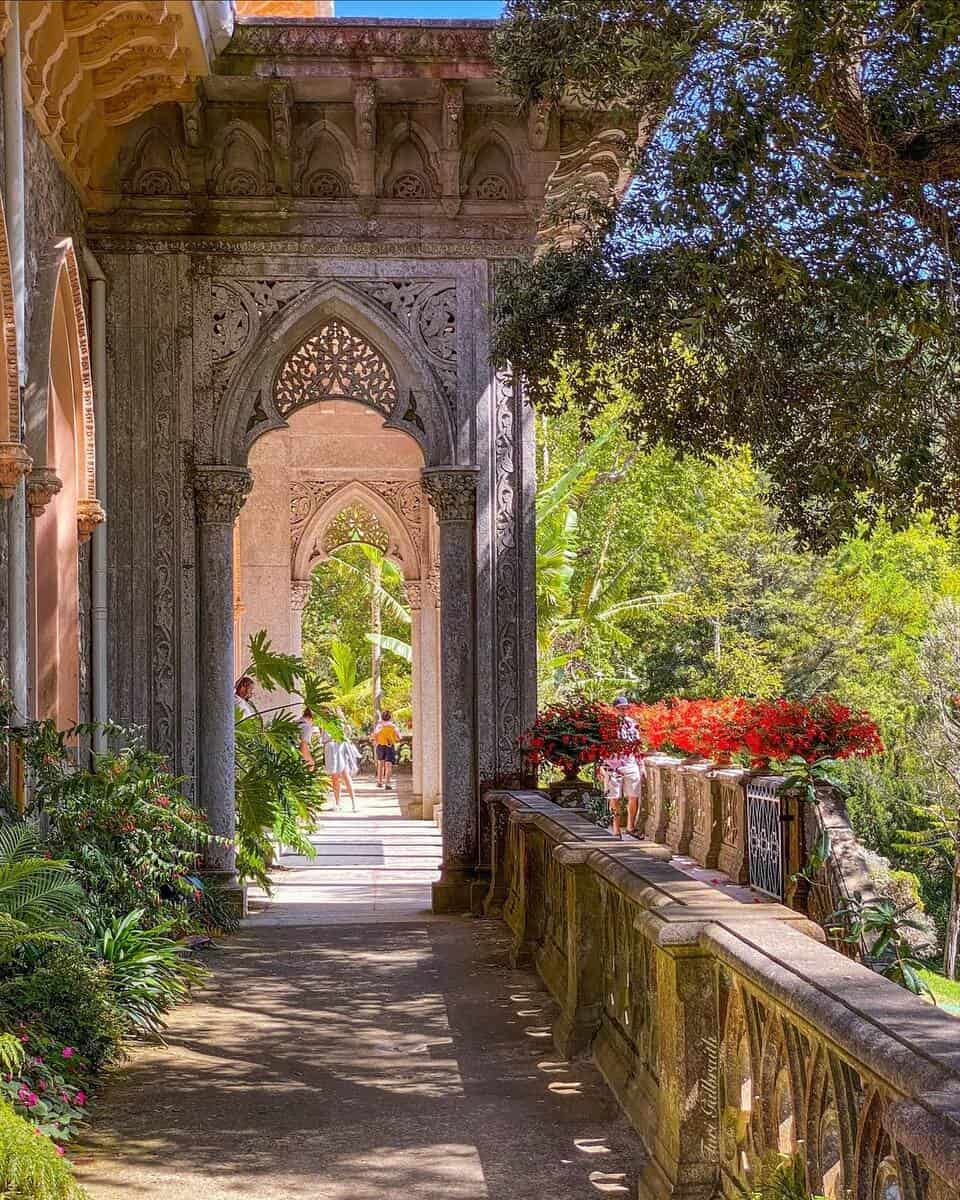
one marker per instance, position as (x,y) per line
(90,514)
(299,594)
(14,462)
(220,492)
(452,491)
(413,591)
(43,483)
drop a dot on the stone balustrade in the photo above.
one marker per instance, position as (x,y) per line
(728,1031)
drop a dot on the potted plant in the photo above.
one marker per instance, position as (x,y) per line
(571,736)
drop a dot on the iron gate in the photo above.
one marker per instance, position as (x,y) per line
(765,837)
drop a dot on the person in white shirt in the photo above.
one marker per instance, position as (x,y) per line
(242,696)
(623,778)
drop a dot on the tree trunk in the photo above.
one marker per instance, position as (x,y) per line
(953,923)
(376,628)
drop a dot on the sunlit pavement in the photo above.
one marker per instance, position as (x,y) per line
(369,862)
(351,1046)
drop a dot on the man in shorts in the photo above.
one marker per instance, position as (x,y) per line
(623,778)
(385,738)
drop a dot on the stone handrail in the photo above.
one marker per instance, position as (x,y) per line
(728,1031)
(700,810)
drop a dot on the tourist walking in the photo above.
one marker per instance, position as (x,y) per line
(385,738)
(623,777)
(341,759)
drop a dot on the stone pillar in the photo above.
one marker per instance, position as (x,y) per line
(430,694)
(220,493)
(413,591)
(452,492)
(299,595)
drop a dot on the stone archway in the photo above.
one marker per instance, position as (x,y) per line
(328,346)
(61,487)
(340,467)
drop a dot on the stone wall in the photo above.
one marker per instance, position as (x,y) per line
(728,1032)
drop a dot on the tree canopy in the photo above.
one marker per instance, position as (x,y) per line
(782,270)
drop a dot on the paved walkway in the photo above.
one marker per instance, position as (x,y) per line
(351,1046)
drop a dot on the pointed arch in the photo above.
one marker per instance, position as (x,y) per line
(314,161)
(242,164)
(489,154)
(396,161)
(59,346)
(248,409)
(14,460)
(354,493)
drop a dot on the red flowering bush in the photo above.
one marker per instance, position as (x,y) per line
(764,729)
(709,728)
(821,728)
(577,734)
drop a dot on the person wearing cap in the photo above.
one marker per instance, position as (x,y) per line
(623,777)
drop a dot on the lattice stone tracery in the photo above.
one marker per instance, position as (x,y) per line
(335,362)
(354,524)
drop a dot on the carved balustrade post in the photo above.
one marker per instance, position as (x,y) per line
(220,492)
(452,492)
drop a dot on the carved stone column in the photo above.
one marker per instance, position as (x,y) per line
(452,492)
(299,595)
(220,493)
(413,591)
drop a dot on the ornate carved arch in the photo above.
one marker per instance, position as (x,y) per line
(315,506)
(497,137)
(14,459)
(59,295)
(409,131)
(241,162)
(248,409)
(308,177)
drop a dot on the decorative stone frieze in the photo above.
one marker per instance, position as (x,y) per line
(413,591)
(15,462)
(433,583)
(420,41)
(452,492)
(220,493)
(90,514)
(43,484)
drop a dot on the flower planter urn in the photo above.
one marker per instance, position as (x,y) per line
(571,791)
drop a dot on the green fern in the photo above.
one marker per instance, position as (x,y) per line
(38,896)
(30,1167)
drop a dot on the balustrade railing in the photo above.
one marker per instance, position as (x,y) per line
(729,1033)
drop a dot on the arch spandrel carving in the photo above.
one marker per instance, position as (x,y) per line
(249,408)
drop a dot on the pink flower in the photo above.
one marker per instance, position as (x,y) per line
(27,1098)
(41,1086)
(24,1038)
(68,1052)
(38,1061)
(80,1099)
(64,1096)
(60,1150)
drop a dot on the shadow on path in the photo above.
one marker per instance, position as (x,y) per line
(359,1062)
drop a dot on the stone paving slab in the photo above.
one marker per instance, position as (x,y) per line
(360,1062)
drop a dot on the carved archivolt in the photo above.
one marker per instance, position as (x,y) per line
(335,361)
(158,167)
(14,459)
(59,317)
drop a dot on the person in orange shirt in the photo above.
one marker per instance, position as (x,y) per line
(385,738)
